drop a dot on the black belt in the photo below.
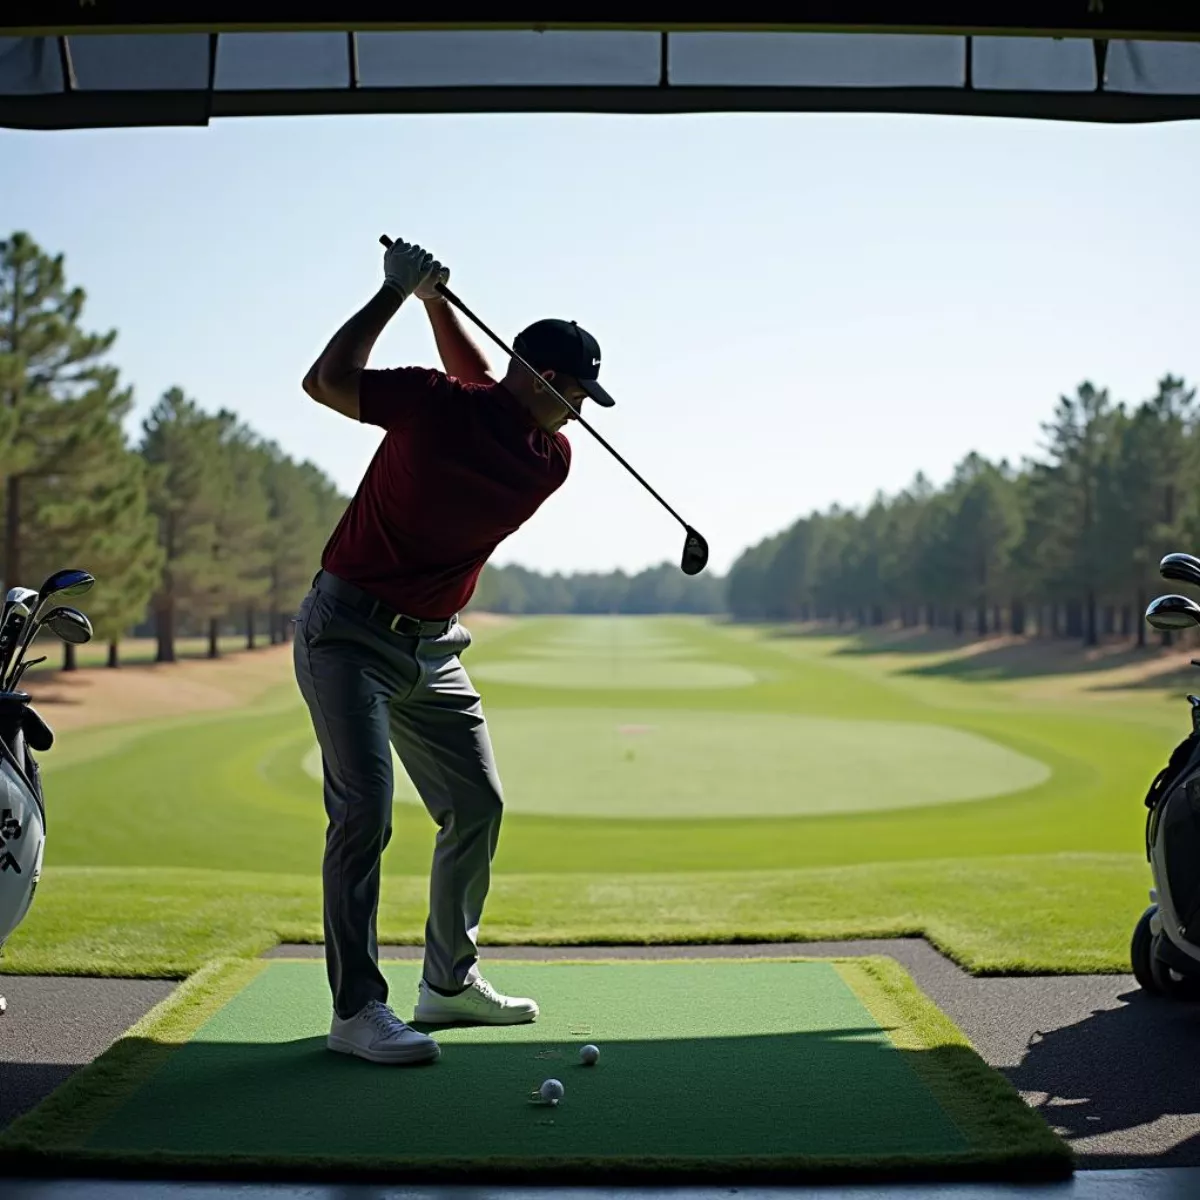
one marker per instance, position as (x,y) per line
(375,610)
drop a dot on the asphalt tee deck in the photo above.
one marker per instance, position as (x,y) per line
(1111,1069)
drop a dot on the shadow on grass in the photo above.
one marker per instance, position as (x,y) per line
(841,1103)
(1116,1071)
(1005,657)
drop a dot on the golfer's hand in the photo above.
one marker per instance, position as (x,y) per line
(427,289)
(407,268)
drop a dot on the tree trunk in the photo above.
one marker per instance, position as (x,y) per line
(114,653)
(214,635)
(12,533)
(981,619)
(1016,618)
(1141,620)
(69,663)
(997,619)
(164,630)
(1074,619)
(1126,621)
(1110,620)
(959,623)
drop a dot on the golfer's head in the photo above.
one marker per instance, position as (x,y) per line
(568,359)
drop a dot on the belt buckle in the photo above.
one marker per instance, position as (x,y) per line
(394,623)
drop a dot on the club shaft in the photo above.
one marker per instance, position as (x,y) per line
(453,299)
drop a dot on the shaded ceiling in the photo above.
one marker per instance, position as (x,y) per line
(90,64)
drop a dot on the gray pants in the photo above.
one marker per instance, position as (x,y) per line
(367,687)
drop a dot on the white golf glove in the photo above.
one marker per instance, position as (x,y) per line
(410,270)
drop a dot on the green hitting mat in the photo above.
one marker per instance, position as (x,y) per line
(708,1069)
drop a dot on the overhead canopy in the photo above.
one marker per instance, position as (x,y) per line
(69,64)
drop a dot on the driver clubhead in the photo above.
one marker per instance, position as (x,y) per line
(1173,612)
(695,553)
(68,582)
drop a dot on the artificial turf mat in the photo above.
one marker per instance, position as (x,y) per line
(740,1069)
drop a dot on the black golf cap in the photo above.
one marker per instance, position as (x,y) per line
(554,345)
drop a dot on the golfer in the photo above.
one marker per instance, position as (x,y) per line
(465,460)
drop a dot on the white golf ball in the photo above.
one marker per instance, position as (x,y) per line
(589,1054)
(552,1091)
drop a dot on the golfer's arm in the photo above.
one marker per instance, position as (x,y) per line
(460,356)
(333,379)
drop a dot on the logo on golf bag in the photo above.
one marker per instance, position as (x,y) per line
(10,831)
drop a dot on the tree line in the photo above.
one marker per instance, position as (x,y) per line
(1066,544)
(197,527)
(661,589)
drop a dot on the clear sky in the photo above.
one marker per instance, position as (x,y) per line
(793,310)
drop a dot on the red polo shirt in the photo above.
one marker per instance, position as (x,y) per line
(460,468)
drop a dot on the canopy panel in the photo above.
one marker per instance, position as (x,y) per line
(116,64)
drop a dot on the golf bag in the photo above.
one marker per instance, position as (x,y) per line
(22,808)
(1165,949)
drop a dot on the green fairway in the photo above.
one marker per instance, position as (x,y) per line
(837,794)
(619,763)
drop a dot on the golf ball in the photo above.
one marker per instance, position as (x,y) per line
(589,1054)
(552,1091)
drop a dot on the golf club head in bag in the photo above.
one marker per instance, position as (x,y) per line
(1184,567)
(1173,612)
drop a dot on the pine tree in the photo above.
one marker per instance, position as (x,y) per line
(182,445)
(45,360)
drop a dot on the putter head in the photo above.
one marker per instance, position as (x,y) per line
(69,624)
(695,553)
(1173,612)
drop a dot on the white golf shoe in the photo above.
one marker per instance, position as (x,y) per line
(480,1003)
(378,1035)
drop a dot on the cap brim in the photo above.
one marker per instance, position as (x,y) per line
(597,393)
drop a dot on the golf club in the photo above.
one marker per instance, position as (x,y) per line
(695,548)
(16,614)
(1184,567)
(69,624)
(68,582)
(1173,612)
(20,671)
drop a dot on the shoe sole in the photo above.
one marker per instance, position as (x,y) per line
(447,1017)
(400,1058)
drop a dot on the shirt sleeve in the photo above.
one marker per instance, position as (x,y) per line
(391,398)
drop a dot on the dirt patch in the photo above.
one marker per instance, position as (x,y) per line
(486,620)
(142,691)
